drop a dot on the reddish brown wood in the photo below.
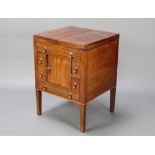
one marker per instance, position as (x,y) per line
(78,38)
(102,62)
(112,99)
(77,64)
(83,117)
(60,33)
(88,40)
(57,75)
(39,101)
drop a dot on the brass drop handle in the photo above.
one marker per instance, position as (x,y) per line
(75,70)
(41,75)
(70,55)
(40,60)
(70,96)
(45,87)
(45,49)
(74,85)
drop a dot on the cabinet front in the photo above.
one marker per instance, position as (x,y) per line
(58,74)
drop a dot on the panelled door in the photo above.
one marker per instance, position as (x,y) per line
(58,70)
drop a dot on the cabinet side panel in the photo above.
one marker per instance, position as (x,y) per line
(102,69)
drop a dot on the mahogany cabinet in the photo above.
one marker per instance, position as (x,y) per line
(77,64)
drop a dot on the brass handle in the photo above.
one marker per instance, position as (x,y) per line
(74,85)
(45,87)
(40,60)
(70,96)
(45,48)
(41,75)
(75,70)
(70,55)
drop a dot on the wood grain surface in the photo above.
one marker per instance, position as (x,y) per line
(77,64)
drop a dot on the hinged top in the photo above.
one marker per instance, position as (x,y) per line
(76,37)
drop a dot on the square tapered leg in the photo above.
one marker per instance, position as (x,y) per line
(112,99)
(83,117)
(39,102)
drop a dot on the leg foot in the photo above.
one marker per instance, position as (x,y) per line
(39,102)
(112,99)
(82,117)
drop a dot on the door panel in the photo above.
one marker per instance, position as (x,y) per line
(60,73)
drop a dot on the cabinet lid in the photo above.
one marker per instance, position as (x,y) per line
(77,37)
